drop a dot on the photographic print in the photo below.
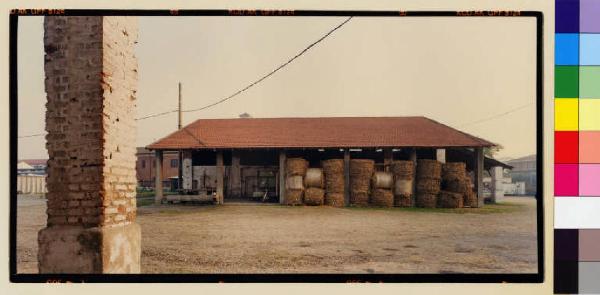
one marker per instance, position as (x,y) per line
(277,145)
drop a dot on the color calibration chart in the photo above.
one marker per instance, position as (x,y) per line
(577,147)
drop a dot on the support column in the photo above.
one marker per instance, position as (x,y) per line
(91,80)
(413,158)
(478,171)
(220,172)
(388,158)
(497,184)
(235,175)
(158,177)
(346,177)
(187,171)
(440,155)
(282,158)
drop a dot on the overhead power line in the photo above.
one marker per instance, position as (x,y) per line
(32,135)
(497,115)
(289,61)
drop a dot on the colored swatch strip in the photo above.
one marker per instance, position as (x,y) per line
(577,147)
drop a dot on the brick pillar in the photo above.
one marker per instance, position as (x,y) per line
(282,157)
(440,155)
(388,158)
(158,177)
(187,171)
(413,158)
(220,177)
(346,177)
(235,175)
(478,171)
(91,77)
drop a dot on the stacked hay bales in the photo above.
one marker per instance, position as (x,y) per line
(382,195)
(404,175)
(314,182)
(333,170)
(470,197)
(361,171)
(294,182)
(429,174)
(454,175)
(448,199)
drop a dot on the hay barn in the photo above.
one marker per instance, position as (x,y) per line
(245,159)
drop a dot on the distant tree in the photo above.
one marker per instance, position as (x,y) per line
(490,152)
(245,115)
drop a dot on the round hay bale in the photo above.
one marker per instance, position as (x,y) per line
(428,186)
(333,166)
(429,169)
(295,166)
(454,170)
(426,200)
(382,198)
(362,167)
(359,199)
(334,176)
(314,178)
(403,187)
(403,201)
(403,169)
(314,196)
(334,199)
(455,185)
(470,199)
(448,199)
(334,184)
(294,182)
(293,197)
(383,180)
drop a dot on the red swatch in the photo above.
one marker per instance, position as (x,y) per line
(566,147)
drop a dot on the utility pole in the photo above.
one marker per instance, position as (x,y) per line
(180,161)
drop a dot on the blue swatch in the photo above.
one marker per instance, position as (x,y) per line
(590,49)
(566,50)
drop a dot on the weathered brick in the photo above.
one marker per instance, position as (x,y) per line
(91,77)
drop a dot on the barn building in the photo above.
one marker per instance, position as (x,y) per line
(245,157)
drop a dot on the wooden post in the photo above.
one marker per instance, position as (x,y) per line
(220,172)
(282,158)
(478,172)
(413,158)
(158,187)
(388,158)
(346,177)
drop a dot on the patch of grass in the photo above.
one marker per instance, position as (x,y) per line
(144,201)
(486,209)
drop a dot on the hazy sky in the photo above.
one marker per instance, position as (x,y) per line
(458,71)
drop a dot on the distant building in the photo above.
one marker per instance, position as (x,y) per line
(146,167)
(525,171)
(32,167)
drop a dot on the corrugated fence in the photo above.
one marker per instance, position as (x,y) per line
(31,184)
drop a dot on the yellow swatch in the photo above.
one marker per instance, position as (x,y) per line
(589,114)
(566,114)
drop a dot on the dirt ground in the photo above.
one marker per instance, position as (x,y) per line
(276,239)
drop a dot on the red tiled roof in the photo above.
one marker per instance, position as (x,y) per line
(331,132)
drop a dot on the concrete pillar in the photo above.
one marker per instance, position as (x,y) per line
(497,174)
(91,77)
(440,155)
(220,180)
(478,171)
(346,177)
(187,174)
(413,158)
(235,175)
(388,158)
(158,177)
(282,158)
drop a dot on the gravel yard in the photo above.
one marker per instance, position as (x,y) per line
(242,238)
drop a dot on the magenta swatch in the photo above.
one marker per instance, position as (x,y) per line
(566,180)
